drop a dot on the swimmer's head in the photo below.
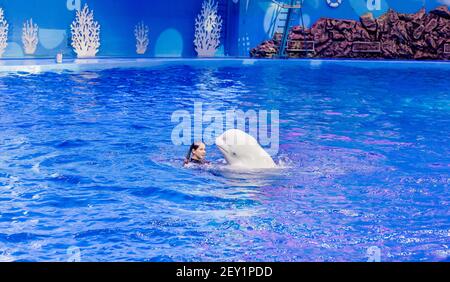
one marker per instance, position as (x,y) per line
(197,151)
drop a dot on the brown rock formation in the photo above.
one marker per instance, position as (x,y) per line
(442,11)
(267,49)
(393,35)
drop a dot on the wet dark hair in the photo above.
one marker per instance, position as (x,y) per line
(194,146)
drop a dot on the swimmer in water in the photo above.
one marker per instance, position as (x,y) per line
(196,154)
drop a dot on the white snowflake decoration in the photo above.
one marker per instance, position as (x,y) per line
(30,37)
(208,26)
(3,33)
(141,33)
(85,34)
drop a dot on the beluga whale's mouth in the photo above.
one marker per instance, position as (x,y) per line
(221,148)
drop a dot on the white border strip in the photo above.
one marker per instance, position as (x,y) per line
(47,65)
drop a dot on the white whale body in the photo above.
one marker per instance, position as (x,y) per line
(242,150)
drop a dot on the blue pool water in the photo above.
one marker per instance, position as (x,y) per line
(88,170)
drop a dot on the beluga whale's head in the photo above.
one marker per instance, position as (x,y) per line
(242,150)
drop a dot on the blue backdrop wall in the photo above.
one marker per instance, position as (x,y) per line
(246,23)
(171,25)
(258,18)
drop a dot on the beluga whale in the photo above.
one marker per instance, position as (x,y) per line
(241,150)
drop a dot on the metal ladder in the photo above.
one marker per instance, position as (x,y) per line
(287,11)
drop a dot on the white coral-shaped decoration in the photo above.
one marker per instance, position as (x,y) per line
(208,26)
(85,34)
(30,37)
(3,32)
(141,33)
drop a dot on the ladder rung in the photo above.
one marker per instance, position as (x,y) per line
(291,6)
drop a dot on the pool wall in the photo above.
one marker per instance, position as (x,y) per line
(171,26)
